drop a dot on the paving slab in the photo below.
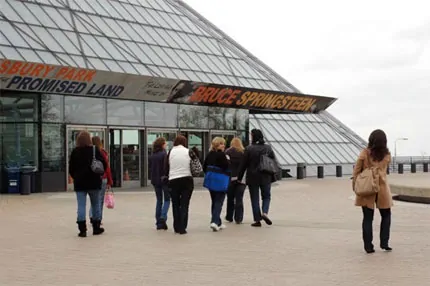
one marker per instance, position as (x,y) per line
(315,240)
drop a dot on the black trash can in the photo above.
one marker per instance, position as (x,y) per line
(301,171)
(338,171)
(13,179)
(413,168)
(320,171)
(400,168)
(426,167)
(27,180)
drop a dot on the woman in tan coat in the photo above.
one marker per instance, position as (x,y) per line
(375,155)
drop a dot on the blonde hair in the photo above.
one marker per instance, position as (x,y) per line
(236,143)
(216,142)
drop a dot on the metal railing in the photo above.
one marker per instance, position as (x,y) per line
(408,161)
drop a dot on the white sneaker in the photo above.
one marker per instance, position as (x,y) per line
(214,227)
(222,226)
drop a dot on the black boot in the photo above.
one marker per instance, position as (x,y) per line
(82,226)
(96,228)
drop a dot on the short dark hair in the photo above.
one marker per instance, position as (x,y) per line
(180,140)
(157,146)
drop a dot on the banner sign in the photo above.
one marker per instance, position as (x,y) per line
(46,78)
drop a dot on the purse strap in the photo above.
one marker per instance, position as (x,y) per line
(94,152)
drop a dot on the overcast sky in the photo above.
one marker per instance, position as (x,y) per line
(374,56)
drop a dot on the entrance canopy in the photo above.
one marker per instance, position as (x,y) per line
(46,78)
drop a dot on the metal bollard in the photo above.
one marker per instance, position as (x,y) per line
(426,167)
(338,171)
(413,168)
(400,168)
(320,171)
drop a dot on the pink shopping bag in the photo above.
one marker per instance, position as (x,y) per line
(109,200)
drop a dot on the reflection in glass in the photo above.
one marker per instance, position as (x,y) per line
(19,144)
(53,159)
(222,118)
(16,107)
(125,112)
(130,155)
(85,110)
(52,108)
(193,116)
(161,114)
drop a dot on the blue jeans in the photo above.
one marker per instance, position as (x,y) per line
(81,198)
(162,206)
(254,192)
(216,207)
(102,199)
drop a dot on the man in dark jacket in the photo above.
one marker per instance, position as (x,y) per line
(256,179)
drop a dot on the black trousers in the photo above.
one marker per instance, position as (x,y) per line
(181,191)
(235,202)
(367,226)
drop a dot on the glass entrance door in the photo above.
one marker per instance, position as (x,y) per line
(125,158)
(72,134)
(197,140)
(169,135)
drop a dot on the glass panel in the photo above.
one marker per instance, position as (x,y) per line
(283,157)
(269,132)
(12,35)
(24,13)
(52,108)
(193,116)
(280,126)
(305,147)
(242,119)
(221,118)
(316,131)
(303,153)
(325,157)
(9,12)
(345,154)
(10,53)
(53,153)
(18,107)
(60,16)
(325,147)
(65,41)
(83,110)
(125,112)
(130,156)
(161,114)
(333,133)
(30,55)
(293,152)
(19,144)
(44,19)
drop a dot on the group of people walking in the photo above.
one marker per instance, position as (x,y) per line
(173,172)
(171,176)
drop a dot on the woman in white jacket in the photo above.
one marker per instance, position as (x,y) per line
(181,182)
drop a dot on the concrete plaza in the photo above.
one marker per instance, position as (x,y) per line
(315,240)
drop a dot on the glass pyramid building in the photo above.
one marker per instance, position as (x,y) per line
(167,38)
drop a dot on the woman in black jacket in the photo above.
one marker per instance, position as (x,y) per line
(217,158)
(86,181)
(236,188)
(255,179)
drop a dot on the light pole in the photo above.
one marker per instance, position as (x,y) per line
(395,150)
